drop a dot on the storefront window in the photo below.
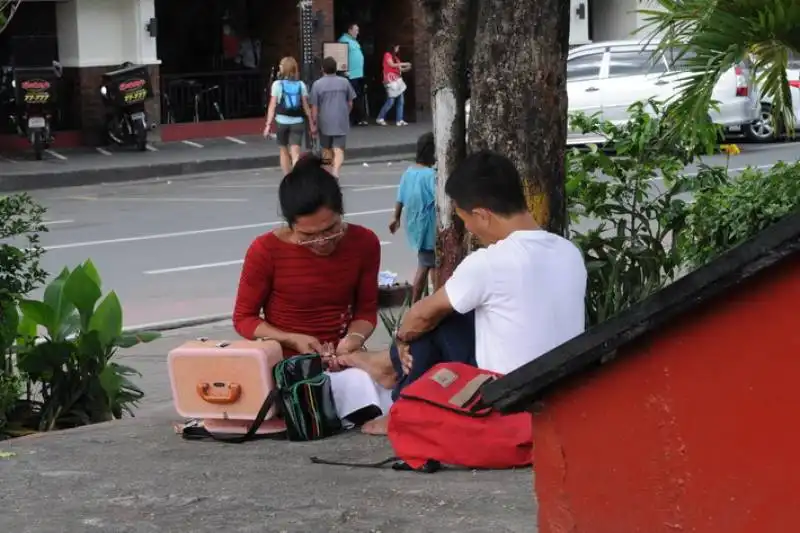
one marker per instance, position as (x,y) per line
(218,56)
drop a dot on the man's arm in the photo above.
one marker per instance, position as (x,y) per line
(307,109)
(351,95)
(313,102)
(466,289)
(424,316)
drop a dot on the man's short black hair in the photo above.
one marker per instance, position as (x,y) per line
(329,65)
(487,180)
(307,189)
(426,150)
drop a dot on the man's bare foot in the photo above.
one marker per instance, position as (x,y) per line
(377,365)
(376,426)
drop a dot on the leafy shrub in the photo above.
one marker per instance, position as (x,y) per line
(20,223)
(725,216)
(626,222)
(76,381)
(20,220)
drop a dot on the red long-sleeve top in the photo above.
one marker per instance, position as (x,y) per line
(302,292)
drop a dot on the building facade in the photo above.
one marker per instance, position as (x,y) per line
(211,62)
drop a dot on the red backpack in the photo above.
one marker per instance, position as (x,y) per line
(439,420)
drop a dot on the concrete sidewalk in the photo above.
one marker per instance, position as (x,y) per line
(85,166)
(136,476)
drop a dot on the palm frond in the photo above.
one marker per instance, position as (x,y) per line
(713,36)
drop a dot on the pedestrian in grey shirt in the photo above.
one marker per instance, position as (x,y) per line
(331,102)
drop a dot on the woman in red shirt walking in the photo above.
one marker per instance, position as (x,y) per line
(316,283)
(395,87)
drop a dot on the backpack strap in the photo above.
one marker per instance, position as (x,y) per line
(429,467)
(196,432)
(379,464)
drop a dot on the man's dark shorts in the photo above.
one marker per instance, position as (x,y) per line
(453,341)
(426,258)
(290,134)
(329,142)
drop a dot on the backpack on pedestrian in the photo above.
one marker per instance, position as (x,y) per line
(440,419)
(291,103)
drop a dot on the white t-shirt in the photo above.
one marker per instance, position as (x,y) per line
(527,292)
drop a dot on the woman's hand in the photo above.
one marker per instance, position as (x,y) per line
(349,344)
(304,344)
(266,130)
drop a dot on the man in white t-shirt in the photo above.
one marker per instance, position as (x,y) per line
(505,305)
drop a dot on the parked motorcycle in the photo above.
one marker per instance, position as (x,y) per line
(32,93)
(124,92)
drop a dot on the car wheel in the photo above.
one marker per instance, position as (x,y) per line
(762,130)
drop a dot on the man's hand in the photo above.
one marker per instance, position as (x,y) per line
(312,128)
(406,360)
(394,225)
(304,344)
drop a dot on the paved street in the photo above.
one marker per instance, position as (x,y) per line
(172,248)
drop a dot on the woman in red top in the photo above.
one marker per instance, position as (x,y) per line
(315,280)
(392,71)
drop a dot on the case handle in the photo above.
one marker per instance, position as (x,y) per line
(234,393)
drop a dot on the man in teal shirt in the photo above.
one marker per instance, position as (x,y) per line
(355,72)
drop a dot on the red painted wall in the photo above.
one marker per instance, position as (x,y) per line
(216,128)
(694,429)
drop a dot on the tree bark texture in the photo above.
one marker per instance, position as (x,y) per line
(447,22)
(519,97)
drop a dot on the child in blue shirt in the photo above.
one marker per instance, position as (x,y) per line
(417,197)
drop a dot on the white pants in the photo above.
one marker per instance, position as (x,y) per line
(353,389)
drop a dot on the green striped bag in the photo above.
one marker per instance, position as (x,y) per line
(305,398)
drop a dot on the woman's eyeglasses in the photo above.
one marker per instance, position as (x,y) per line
(324,237)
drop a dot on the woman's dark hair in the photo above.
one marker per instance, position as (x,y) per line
(307,189)
(487,180)
(391,48)
(426,150)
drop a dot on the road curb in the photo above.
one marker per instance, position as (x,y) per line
(94,176)
(388,297)
(183,323)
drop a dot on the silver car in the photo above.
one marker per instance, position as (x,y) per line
(605,78)
(763,128)
(608,77)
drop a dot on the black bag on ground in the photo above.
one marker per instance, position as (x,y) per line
(306,398)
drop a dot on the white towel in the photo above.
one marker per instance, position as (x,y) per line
(353,389)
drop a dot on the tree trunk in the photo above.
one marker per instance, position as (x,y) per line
(519,97)
(447,22)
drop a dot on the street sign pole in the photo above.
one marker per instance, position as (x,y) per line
(306,14)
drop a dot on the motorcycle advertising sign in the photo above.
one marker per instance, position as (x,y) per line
(35,91)
(133,91)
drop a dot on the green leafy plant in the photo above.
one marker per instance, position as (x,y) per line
(76,381)
(20,226)
(392,318)
(725,216)
(627,208)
